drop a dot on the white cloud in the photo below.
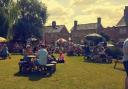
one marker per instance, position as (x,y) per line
(58,12)
(85,11)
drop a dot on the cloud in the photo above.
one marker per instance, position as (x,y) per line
(85,11)
(111,15)
(59,13)
(112,2)
(83,2)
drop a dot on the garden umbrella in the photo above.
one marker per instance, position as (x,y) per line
(61,40)
(95,38)
(3,39)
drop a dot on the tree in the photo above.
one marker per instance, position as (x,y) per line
(3,23)
(3,17)
(12,19)
(8,17)
(33,15)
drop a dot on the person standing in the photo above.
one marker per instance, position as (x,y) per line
(61,57)
(125,61)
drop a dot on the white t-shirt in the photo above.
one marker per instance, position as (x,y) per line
(125,46)
(42,53)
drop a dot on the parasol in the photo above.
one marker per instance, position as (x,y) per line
(96,38)
(3,39)
(61,40)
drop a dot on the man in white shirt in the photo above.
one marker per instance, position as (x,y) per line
(42,55)
(125,61)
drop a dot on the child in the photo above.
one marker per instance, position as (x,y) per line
(61,58)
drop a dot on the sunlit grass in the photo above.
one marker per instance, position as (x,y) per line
(74,74)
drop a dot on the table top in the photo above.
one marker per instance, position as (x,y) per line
(31,56)
(49,64)
(54,62)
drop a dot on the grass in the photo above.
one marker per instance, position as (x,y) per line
(74,74)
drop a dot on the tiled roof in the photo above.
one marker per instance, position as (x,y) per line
(86,26)
(50,29)
(121,22)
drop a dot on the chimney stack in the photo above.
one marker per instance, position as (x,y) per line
(75,23)
(99,20)
(99,25)
(126,14)
(54,24)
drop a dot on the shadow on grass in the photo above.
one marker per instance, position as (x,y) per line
(34,76)
(91,62)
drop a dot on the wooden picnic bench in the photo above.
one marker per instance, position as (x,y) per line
(48,68)
(51,68)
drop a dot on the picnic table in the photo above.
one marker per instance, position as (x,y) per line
(31,57)
(48,68)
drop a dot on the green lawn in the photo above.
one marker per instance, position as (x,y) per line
(74,74)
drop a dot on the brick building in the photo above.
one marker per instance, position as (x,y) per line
(54,32)
(78,31)
(116,33)
(120,31)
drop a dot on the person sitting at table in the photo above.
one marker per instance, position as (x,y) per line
(26,63)
(27,52)
(102,54)
(42,56)
(5,52)
(35,49)
(51,58)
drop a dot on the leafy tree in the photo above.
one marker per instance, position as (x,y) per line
(8,17)
(33,15)
(3,24)
(4,3)
(3,17)
(12,19)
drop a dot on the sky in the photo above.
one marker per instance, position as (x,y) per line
(64,12)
